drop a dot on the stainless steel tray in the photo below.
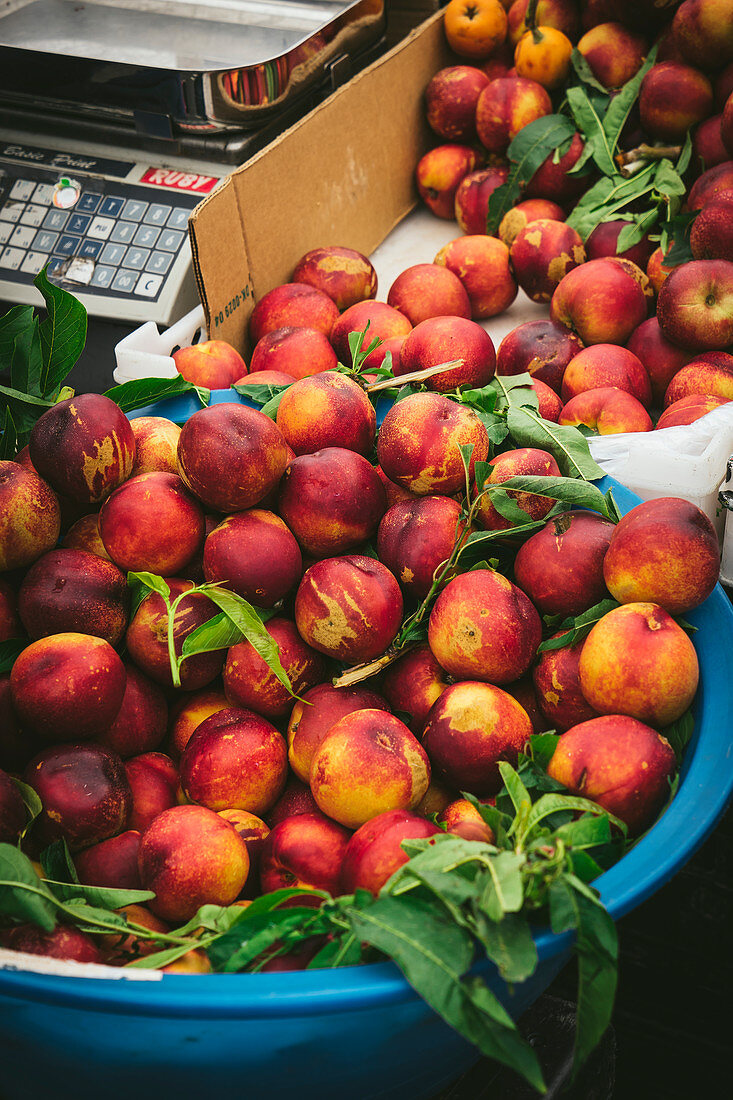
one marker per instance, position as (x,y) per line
(203,63)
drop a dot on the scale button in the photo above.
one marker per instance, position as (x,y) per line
(113,254)
(100,228)
(57,265)
(67,244)
(80,271)
(90,249)
(170,240)
(149,285)
(160,262)
(55,219)
(11,211)
(66,193)
(134,210)
(124,282)
(45,241)
(11,258)
(136,258)
(146,236)
(5,230)
(22,189)
(33,215)
(78,223)
(157,214)
(178,218)
(88,202)
(102,276)
(23,236)
(43,193)
(123,232)
(111,206)
(33,262)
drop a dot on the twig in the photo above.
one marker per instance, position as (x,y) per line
(414,376)
(634,159)
(369,668)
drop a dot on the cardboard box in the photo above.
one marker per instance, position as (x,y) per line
(343,175)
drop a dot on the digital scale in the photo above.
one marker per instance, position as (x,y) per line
(117,117)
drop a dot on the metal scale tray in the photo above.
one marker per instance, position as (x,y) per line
(176,66)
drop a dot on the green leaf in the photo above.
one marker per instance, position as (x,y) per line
(550,804)
(634,232)
(683,161)
(9,651)
(476,542)
(516,790)
(585,73)
(218,633)
(433,953)
(542,746)
(507,505)
(343,950)
(23,897)
(611,197)
(588,831)
(503,890)
(63,334)
(571,491)
(621,104)
(16,321)
(26,363)
(270,407)
(247,620)
(667,181)
(236,949)
(9,445)
(590,123)
(145,391)
(96,898)
(150,581)
(677,229)
(509,945)
(31,801)
(565,444)
(25,401)
(216,918)
(514,391)
(597,950)
(679,734)
(578,627)
(533,144)
(159,959)
(260,392)
(57,863)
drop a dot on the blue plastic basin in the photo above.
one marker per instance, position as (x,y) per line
(323,1035)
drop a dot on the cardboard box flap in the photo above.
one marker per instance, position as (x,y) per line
(343,175)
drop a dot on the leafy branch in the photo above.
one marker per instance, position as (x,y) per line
(238,621)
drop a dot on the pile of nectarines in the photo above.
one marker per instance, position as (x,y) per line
(232,785)
(512,66)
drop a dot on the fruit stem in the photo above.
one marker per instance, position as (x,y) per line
(530,18)
(630,162)
(414,376)
(173,659)
(370,668)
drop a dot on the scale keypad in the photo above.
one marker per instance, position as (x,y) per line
(117,238)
